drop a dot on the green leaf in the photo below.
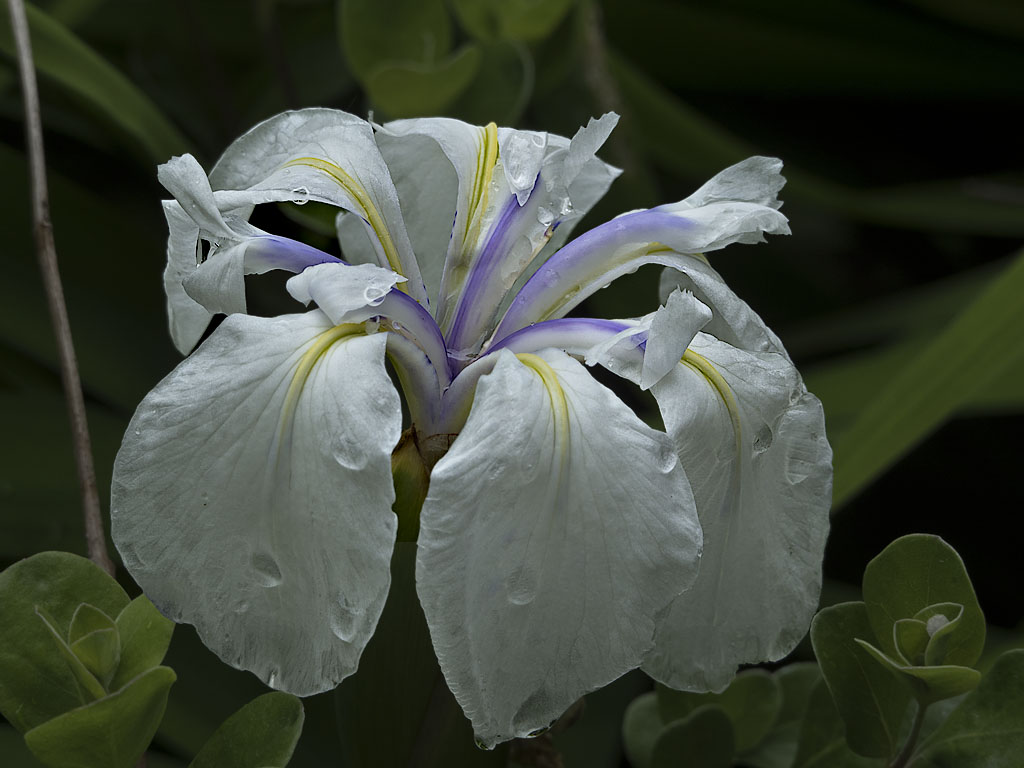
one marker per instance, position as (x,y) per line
(822,743)
(871,701)
(916,572)
(987,729)
(518,20)
(417,89)
(778,748)
(112,732)
(100,652)
(977,347)
(14,750)
(927,684)
(94,640)
(911,638)
(88,686)
(145,635)
(502,86)
(36,683)
(378,32)
(641,726)
(752,702)
(61,55)
(703,740)
(262,734)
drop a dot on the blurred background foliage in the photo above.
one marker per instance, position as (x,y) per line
(899,294)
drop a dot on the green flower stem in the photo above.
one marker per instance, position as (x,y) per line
(915,732)
(47,253)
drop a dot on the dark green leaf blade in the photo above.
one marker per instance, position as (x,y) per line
(822,743)
(977,347)
(262,734)
(60,54)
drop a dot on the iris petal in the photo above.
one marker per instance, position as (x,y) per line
(252,495)
(555,529)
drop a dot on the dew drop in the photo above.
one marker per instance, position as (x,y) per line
(545,216)
(272,677)
(566,207)
(344,618)
(763,439)
(374,294)
(521,586)
(348,452)
(301,195)
(138,432)
(268,573)
(797,468)
(242,606)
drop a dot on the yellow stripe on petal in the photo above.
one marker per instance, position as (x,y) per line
(307,362)
(703,366)
(559,405)
(487,158)
(358,193)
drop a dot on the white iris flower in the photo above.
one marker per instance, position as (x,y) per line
(560,539)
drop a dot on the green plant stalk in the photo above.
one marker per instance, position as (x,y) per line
(47,253)
(915,733)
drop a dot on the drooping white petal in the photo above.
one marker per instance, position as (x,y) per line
(754,180)
(555,530)
(672,328)
(346,294)
(252,495)
(647,348)
(188,319)
(184,178)
(218,283)
(327,156)
(752,442)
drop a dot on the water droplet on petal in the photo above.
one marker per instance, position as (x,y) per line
(138,432)
(268,572)
(374,294)
(301,195)
(763,439)
(544,216)
(344,619)
(521,586)
(349,453)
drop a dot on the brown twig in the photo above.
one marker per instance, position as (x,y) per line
(47,254)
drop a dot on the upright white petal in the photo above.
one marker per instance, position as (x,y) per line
(252,495)
(327,156)
(555,530)
(752,442)
(672,328)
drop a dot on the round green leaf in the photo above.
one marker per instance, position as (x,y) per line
(519,20)
(36,683)
(501,88)
(912,573)
(145,635)
(262,734)
(109,733)
(822,743)
(751,702)
(987,728)
(87,619)
(870,700)
(702,740)
(412,89)
(376,32)
(641,726)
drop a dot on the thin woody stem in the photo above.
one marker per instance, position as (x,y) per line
(47,253)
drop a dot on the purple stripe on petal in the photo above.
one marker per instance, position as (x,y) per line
(411,319)
(268,252)
(577,262)
(575,335)
(470,309)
